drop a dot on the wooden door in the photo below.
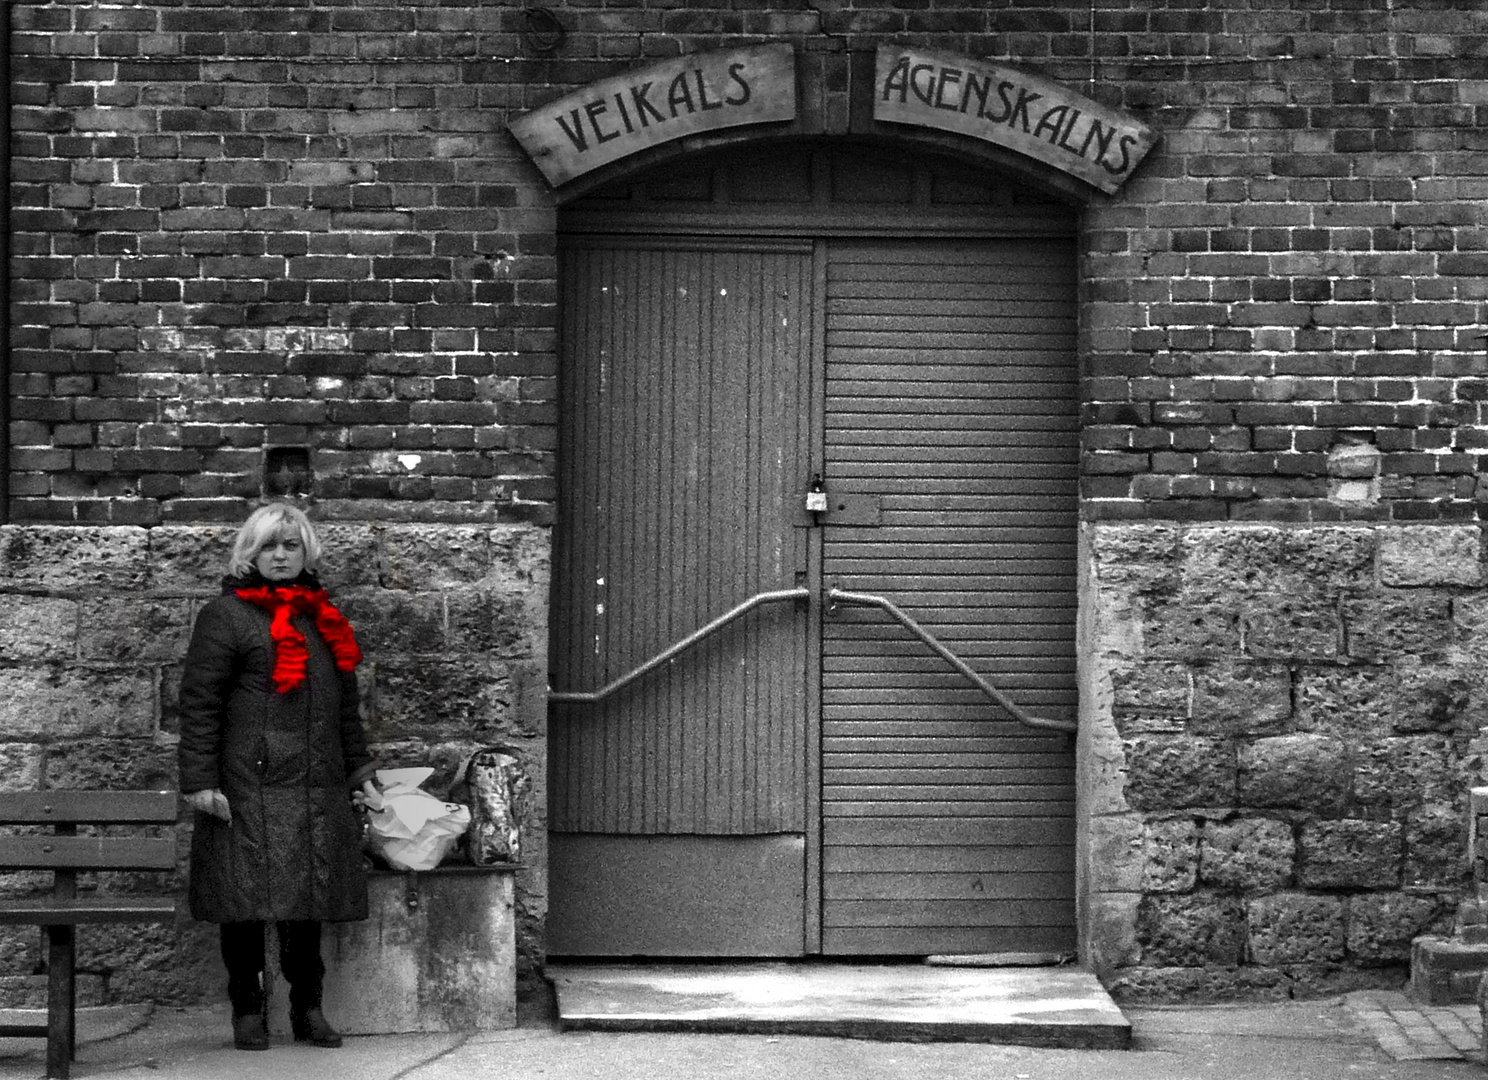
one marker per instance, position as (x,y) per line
(678,811)
(951,402)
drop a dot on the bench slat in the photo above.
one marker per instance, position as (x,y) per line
(86,853)
(49,911)
(89,807)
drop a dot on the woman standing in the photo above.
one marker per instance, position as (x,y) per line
(271,751)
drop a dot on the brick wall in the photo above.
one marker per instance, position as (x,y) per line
(303,223)
(452,619)
(241,227)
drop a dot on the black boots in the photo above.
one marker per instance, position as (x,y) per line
(310,1026)
(249,1032)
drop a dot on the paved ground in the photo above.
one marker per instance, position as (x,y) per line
(1410,1032)
(1336,1039)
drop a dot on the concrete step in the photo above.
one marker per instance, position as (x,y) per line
(1025,1006)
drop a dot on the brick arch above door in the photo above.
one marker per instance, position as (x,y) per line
(817,187)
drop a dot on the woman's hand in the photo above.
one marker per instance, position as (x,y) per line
(368,798)
(211,801)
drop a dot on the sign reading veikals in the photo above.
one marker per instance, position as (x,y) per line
(1031,115)
(614,118)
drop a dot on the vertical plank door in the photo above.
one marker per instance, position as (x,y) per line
(678,805)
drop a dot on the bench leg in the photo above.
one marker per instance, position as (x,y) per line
(61,1001)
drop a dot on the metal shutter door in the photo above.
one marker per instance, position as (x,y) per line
(951,395)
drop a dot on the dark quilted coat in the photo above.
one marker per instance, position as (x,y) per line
(287,764)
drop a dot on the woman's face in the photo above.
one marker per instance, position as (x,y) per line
(282,557)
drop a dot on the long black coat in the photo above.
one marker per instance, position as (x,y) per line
(287,764)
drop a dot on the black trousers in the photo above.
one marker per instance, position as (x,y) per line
(299,959)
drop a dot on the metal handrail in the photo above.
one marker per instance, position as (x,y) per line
(573,697)
(842,596)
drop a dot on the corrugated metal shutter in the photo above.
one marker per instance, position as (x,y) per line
(951,395)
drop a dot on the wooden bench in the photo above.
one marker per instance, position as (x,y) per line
(65,854)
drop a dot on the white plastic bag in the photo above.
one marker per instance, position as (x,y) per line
(408,827)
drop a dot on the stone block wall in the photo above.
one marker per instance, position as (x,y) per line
(94,622)
(1280,727)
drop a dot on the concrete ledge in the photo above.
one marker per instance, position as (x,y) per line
(438,953)
(1050,1007)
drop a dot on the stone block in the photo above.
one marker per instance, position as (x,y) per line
(124,764)
(134,630)
(1196,985)
(1291,928)
(1349,854)
(1432,697)
(1190,930)
(1353,702)
(1151,688)
(1292,625)
(1241,699)
(424,557)
(1408,771)
(1110,920)
(1247,854)
(392,623)
(1436,851)
(1231,559)
(190,559)
(37,628)
(521,558)
(492,623)
(74,559)
(438,953)
(1169,772)
(1383,626)
(20,765)
(1191,625)
(1141,556)
(459,698)
(1381,926)
(1446,971)
(1305,772)
(56,702)
(1115,853)
(1330,556)
(1417,555)
(1170,856)
(349,558)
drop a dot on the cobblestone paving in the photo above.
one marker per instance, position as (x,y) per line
(1410,1031)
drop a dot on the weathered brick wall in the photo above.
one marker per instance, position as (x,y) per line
(241,225)
(96,620)
(301,223)
(1280,724)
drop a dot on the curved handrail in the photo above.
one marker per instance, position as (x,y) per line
(842,596)
(585,697)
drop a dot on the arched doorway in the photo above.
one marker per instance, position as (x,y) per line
(811,779)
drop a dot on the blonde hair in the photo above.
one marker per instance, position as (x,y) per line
(263,525)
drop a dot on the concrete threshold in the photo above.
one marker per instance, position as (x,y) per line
(1062,1007)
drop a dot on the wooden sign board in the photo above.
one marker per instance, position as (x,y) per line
(1025,113)
(614,118)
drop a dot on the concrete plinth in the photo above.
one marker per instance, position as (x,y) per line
(438,953)
(1446,971)
(1064,1007)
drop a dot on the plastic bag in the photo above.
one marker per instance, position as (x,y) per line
(409,828)
(492,784)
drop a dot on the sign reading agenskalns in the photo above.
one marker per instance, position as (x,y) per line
(1025,113)
(616,117)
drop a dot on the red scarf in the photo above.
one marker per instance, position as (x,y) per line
(290,653)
